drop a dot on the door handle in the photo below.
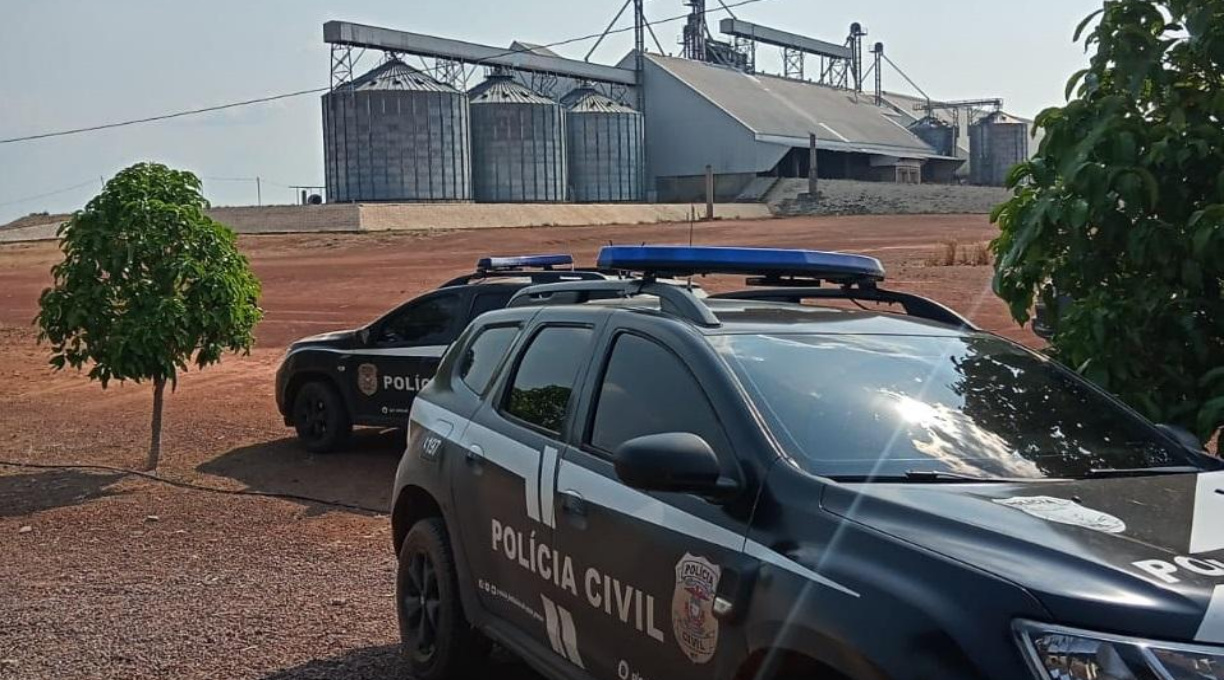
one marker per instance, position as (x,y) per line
(475,456)
(573,504)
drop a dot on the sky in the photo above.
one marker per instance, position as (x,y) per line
(75,63)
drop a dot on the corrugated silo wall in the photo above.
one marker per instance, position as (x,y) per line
(605,153)
(518,152)
(994,149)
(396,146)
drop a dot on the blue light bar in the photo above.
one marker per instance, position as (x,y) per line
(493,264)
(763,262)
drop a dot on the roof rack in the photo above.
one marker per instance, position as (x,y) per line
(914,305)
(798,274)
(673,299)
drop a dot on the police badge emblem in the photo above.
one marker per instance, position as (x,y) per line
(693,608)
(367,379)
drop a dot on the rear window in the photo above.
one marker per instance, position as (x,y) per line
(973,405)
(484,355)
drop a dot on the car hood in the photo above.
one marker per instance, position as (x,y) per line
(1138,555)
(333,338)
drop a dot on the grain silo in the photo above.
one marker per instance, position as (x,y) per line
(518,144)
(605,148)
(996,144)
(395,134)
(936,133)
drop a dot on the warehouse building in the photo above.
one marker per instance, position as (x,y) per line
(524,124)
(747,126)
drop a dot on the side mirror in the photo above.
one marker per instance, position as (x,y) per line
(677,462)
(1183,436)
(364,335)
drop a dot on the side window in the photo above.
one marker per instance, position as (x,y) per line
(647,390)
(540,391)
(428,322)
(484,354)
(487,302)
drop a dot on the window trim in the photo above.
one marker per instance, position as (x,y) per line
(382,323)
(587,446)
(502,400)
(493,377)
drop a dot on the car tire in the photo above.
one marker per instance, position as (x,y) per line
(320,418)
(436,639)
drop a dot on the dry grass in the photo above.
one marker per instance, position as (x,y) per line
(952,253)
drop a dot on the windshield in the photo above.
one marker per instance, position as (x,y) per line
(887,406)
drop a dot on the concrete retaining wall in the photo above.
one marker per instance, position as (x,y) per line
(846,197)
(350,217)
(408,216)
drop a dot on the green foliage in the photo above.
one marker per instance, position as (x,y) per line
(1122,210)
(149,282)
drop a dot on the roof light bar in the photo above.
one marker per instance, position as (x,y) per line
(494,264)
(764,262)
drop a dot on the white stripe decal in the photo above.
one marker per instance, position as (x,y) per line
(551,622)
(548,484)
(764,554)
(595,488)
(428,352)
(600,490)
(1212,627)
(569,637)
(1207,525)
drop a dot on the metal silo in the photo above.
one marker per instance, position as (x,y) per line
(605,148)
(996,144)
(395,134)
(937,134)
(518,144)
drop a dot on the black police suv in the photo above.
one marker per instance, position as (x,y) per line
(369,376)
(657,487)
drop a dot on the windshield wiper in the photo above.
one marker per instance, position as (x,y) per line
(1098,473)
(944,476)
(928,476)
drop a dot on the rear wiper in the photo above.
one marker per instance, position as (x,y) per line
(1097,473)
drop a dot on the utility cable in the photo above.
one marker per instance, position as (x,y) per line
(317,90)
(49,193)
(195,487)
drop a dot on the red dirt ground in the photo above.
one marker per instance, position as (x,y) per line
(223,586)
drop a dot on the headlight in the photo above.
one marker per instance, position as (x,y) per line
(1058,653)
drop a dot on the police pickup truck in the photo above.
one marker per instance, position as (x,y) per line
(768,484)
(328,383)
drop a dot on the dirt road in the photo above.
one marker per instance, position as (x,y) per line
(108,577)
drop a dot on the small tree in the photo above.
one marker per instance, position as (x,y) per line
(1122,212)
(148,284)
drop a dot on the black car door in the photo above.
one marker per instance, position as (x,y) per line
(402,355)
(503,493)
(652,565)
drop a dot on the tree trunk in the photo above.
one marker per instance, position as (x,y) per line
(159,390)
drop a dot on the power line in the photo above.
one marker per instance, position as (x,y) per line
(263,100)
(167,116)
(49,193)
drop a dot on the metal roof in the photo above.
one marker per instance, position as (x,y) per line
(588,100)
(501,88)
(783,111)
(397,76)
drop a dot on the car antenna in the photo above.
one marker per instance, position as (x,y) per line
(692,220)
